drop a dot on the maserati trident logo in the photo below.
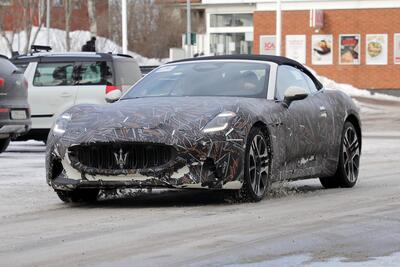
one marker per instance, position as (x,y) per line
(120,158)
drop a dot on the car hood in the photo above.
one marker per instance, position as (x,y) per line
(150,118)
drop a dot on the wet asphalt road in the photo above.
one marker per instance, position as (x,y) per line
(202,228)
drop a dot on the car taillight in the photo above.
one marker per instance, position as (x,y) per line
(4,110)
(26,84)
(1,82)
(110,88)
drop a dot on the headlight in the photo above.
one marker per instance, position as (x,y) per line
(61,124)
(219,123)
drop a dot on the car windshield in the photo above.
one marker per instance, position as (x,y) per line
(208,78)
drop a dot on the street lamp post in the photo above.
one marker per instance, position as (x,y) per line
(124,28)
(188,29)
(278,27)
(48,22)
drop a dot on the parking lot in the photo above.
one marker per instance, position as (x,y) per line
(298,223)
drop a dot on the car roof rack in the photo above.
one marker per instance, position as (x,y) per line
(124,55)
(40,48)
(3,56)
(121,55)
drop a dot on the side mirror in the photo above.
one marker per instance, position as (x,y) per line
(113,96)
(294,93)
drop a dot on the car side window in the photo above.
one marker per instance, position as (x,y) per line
(54,74)
(311,85)
(288,76)
(93,73)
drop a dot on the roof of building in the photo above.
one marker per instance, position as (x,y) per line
(275,59)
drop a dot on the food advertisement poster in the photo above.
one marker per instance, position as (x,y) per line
(322,47)
(396,48)
(267,45)
(296,47)
(349,52)
(376,49)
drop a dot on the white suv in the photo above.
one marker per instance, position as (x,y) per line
(57,81)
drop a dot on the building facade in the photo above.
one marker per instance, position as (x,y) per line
(349,41)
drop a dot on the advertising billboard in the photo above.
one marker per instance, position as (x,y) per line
(376,49)
(396,48)
(267,45)
(296,47)
(349,49)
(321,49)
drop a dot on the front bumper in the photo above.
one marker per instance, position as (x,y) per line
(208,165)
(67,184)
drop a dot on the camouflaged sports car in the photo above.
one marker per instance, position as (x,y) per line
(230,122)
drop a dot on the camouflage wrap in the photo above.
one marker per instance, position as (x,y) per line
(304,140)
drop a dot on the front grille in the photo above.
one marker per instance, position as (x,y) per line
(128,156)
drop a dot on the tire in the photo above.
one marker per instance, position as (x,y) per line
(78,195)
(4,144)
(257,167)
(349,160)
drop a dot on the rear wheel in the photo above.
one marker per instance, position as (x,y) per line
(4,144)
(78,195)
(257,166)
(349,160)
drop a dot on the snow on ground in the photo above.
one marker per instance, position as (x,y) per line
(305,260)
(78,39)
(351,90)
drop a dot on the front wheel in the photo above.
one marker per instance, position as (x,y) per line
(4,144)
(78,195)
(349,160)
(256,167)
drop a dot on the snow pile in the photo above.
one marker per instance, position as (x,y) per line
(78,39)
(351,90)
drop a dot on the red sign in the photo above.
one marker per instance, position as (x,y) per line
(317,19)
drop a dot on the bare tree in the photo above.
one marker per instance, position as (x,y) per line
(153,28)
(24,14)
(8,36)
(33,7)
(92,17)
(68,10)
(114,21)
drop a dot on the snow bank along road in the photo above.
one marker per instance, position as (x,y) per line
(299,223)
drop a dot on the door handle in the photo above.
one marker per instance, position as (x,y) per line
(66,94)
(323,112)
(277,122)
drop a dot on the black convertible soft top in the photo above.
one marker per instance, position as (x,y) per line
(276,59)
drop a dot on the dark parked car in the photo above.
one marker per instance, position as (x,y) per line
(230,122)
(14,108)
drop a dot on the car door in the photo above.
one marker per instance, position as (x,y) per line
(325,124)
(300,117)
(92,80)
(52,90)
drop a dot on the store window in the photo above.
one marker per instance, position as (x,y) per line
(231,43)
(231,20)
